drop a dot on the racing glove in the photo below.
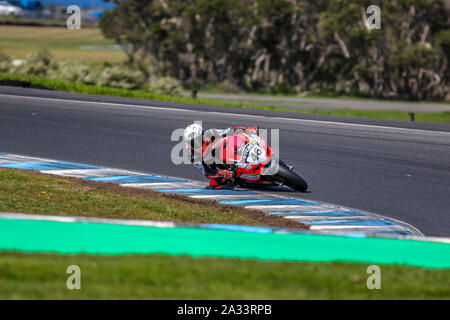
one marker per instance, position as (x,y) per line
(226,174)
(221,179)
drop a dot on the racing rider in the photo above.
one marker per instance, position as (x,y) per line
(217,178)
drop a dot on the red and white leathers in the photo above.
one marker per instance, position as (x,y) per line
(218,178)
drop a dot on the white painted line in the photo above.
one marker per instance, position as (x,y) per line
(345,227)
(25,216)
(324,217)
(434,239)
(13,158)
(37,159)
(165,185)
(233,196)
(169,224)
(145,223)
(364,125)
(111,104)
(84,173)
(289,208)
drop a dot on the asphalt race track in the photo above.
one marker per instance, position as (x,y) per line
(397,169)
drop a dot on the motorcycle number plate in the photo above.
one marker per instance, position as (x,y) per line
(253,154)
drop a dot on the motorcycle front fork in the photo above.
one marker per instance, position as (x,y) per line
(286,165)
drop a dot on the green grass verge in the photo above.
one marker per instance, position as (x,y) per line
(40,194)
(440,117)
(43,276)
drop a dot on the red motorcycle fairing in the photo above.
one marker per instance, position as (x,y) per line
(233,151)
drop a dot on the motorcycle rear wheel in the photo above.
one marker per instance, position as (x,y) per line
(291,179)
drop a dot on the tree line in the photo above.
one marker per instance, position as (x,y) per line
(289,46)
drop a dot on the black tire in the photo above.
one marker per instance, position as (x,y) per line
(291,179)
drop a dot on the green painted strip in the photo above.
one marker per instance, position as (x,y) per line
(98,238)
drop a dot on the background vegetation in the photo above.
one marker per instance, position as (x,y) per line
(288,46)
(43,64)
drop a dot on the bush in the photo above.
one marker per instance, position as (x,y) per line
(37,64)
(73,71)
(167,86)
(282,88)
(120,77)
(229,86)
(5,62)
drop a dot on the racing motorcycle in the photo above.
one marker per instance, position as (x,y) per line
(252,160)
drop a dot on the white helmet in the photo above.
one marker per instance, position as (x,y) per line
(192,132)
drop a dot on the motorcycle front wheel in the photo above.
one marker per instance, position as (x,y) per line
(291,179)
